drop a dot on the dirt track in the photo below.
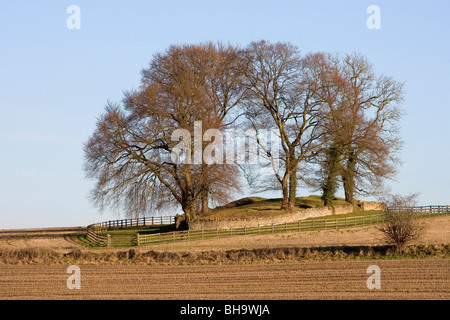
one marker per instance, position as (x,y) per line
(401,279)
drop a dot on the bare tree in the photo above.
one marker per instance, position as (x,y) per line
(361,127)
(402,223)
(216,71)
(323,109)
(281,96)
(131,153)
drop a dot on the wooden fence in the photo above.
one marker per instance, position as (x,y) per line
(303,225)
(95,236)
(426,209)
(136,222)
(298,226)
(97,233)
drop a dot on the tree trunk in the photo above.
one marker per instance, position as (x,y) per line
(205,207)
(204,196)
(330,183)
(349,179)
(189,213)
(285,190)
(188,203)
(292,190)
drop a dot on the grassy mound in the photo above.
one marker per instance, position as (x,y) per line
(257,206)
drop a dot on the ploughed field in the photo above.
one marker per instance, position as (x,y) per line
(33,265)
(399,279)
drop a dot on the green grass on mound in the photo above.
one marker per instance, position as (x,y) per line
(142,230)
(250,207)
(257,206)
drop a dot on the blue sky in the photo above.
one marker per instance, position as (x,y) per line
(55,82)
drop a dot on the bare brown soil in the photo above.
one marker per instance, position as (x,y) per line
(286,272)
(400,279)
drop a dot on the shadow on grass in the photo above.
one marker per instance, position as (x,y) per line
(131,231)
(160,229)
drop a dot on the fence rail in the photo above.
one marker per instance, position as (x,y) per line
(136,222)
(302,225)
(97,232)
(96,237)
(425,209)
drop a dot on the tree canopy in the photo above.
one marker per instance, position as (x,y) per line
(162,146)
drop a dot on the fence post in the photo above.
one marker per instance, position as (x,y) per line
(153,221)
(144,221)
(108,240)
(137,239)
(202,233)
(159,238)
